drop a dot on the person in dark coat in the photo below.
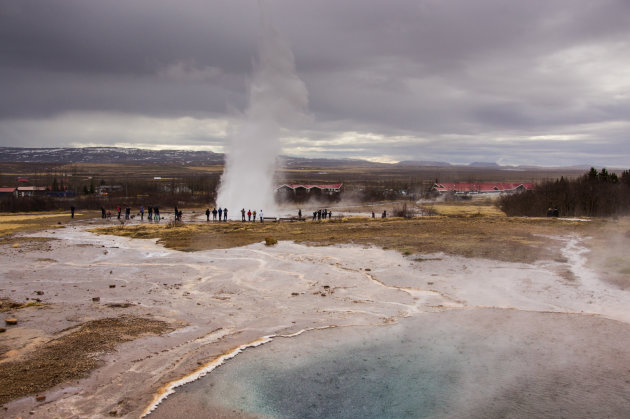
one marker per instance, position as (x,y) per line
(224,214)
(220,213)
(207,214)
(72,212)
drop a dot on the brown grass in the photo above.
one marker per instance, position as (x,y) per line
(501,238)
(72,355)
(469,209)
(34,221)
(609,251)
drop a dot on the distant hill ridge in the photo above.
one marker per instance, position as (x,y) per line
(109,155)
(106,155)
(423,163)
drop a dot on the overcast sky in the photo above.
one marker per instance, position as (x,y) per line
(513,82)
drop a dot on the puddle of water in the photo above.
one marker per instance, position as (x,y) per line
(472,363)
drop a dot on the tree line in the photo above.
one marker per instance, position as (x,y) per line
(187,190)
(594,194)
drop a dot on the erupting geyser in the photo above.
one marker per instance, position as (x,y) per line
(277,96)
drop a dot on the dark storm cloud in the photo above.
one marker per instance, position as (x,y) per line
(40,93)
(416,79)
(73,55)
(127,37)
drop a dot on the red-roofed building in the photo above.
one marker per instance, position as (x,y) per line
(4,192)
(31,190)
(481,188)
(331,188)
(301,192)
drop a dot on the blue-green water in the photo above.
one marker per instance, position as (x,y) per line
(480,363)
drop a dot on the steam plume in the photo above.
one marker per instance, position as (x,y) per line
(277,96)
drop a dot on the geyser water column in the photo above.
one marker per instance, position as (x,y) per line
(277,97)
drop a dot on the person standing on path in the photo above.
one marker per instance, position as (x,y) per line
(260,215)
(224,214)
(207,214)
(243,215)
(72,212)
(141,213)
(249,215)
(220,213)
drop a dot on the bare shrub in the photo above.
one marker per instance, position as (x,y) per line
(404,211)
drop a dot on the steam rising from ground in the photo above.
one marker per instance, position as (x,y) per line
(277,96)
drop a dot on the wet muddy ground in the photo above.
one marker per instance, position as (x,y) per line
(167,314)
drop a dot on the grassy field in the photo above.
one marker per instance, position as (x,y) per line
(33,221)
(49,364)
(500,238)
(470,229)
(468,209)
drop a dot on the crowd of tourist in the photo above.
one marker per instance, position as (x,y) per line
(218,214)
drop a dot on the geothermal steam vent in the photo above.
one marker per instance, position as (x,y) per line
(277,97)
